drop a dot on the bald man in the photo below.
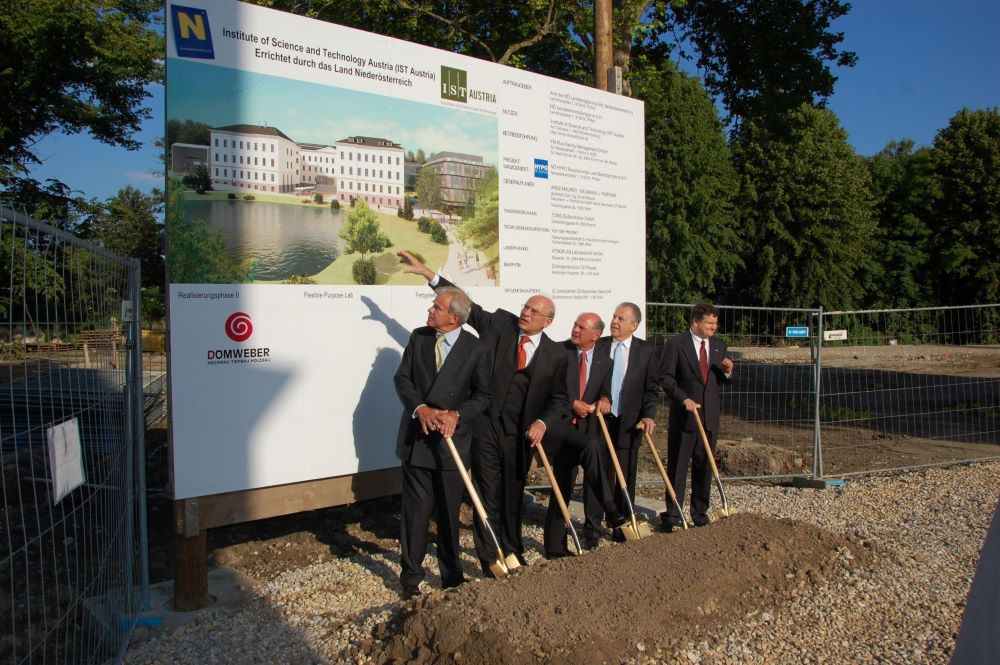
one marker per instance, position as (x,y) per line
(529,398)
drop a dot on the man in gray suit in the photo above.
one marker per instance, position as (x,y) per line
(443,382)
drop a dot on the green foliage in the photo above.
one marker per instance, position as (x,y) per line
(806,208)
(362,232)
(429,189)
(202,179)
(318,197)
(299,279)
(74,67)
(364,271)
(249,197)
(763,58)
(966,216)
(424,224)
(693,245)
(904,191)
(187,131)
(482,229)
(334,204)
(198,253)
(408,208)
(438,234)
(27,272)
(154,306)
(129,225)
(231,196)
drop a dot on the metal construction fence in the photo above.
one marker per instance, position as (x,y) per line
(820,394)
(73,571)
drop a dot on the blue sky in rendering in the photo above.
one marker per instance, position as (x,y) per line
(919,63)
(311,113)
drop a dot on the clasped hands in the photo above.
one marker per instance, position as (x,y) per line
(437,420)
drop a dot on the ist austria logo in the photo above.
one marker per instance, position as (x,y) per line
(192,36)
(541,168)
(455,87)
(239,328)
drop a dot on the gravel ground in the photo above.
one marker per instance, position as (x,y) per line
(928,526)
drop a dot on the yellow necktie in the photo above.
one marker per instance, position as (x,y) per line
(439,351)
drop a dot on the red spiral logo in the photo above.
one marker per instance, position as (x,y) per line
(239,327)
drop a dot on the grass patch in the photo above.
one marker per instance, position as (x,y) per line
(404,235)
(266,197)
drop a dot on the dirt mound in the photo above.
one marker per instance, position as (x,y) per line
(750,458)
(628,600)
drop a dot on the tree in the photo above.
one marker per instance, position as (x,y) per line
(806,208)
(187,131)
(905,190)
(763,58)
(966,233)
(84,66)
(130,226)
(362,232)
(429,189)
(203,180)
(482,229)
(198,253)
(692,241)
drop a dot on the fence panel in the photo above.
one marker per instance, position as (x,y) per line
(71,404)
(768,423)
(910,388)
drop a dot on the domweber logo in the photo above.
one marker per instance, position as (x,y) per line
(239,327)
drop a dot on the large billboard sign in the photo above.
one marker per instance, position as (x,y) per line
(309,155)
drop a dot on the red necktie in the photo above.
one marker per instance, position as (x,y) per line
(703,363)
(522,355)
(583,373)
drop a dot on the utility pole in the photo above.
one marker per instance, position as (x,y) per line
(602,43)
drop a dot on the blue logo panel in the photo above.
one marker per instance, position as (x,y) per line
(541,168)
(192,36)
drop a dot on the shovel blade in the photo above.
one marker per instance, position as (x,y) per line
(629,532)
(511,562)
(499,569)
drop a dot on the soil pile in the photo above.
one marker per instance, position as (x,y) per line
(634,599)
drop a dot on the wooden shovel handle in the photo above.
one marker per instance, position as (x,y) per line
(467,480)
(659,463)
(708,446)
(611,450)
(552,481)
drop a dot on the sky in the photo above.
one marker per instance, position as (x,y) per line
(919,63)
(311,113)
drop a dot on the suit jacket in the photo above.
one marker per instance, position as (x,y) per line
(462,385)
(597,384)
(680,377)
(639,395)
(546,399)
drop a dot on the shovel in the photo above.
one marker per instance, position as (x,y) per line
(633,531)
(503,565)
(711,462)
(663,474)
(559,497)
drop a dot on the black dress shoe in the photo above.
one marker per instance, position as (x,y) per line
(616,520)
(666,526)
(701,521)
(589,540)
(557,555)
(451,584)
(410,592)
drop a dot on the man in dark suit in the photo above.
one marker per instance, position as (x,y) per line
(693,367)
(529,399)
(632,387)
(579,440)
(443,383)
